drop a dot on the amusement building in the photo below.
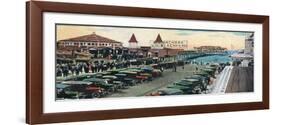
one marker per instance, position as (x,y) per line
(94,46)
(172,44)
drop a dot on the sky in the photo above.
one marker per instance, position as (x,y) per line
(145,36)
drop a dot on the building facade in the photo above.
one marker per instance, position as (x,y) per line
(249,45)
(171,44)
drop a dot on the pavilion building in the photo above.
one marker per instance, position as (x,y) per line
(87,42)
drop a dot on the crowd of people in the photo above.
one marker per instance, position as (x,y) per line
(66,69)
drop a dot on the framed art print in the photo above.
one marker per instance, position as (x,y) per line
(95,62)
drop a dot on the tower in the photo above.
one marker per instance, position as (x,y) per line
(133,43)
(249,44)
(158,43)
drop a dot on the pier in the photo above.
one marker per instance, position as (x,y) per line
(193,55)
(241,80)
(234,79)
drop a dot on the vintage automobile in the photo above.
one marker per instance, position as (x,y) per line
(145,76)
(141,78)
(193,80)
(94,92)
(211,72)
(185,89)
(140,74)
(101,83)
(121,75)
(169,91)
(109,77)
(74,89)
(129,73)
(60,93)
(114,80)
(133,75)
(127,81)
(147,69)
(205,74)
(203,80)
(138,70)
(194,84)
(130,81)
(119,84)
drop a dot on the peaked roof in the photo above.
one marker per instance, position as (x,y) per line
(91,38)
(158,39)
(133,39)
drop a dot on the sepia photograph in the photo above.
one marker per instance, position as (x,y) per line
(100,61)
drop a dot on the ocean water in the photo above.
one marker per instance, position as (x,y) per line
(213,59)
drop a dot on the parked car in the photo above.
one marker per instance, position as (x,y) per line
(185,89)
(60,92)
(101,83)
(94,92)
(74,89)
(133,75)
(211,72)
(203,80)
(170,91)
(193,85)
(127,81)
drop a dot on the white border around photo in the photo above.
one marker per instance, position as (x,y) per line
(52,106)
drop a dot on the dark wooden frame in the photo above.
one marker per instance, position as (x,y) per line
(34,61)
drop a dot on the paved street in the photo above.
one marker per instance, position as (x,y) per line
(241,80)
(169,76)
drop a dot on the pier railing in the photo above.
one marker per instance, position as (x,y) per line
(193,55)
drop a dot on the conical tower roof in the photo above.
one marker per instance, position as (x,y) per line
(133,39)
(158,39)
